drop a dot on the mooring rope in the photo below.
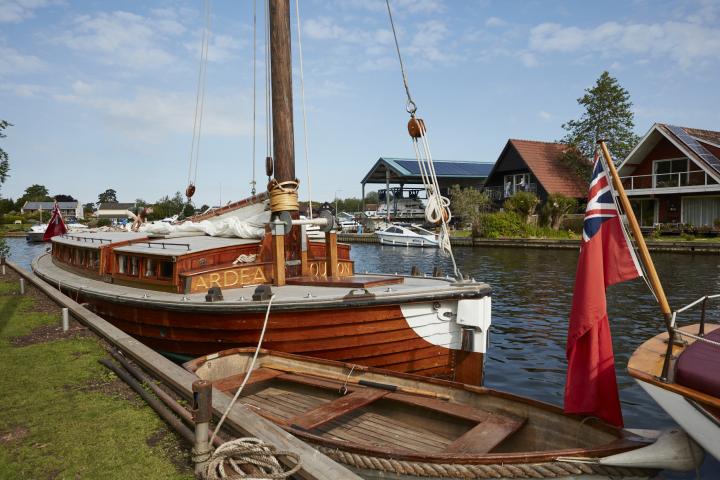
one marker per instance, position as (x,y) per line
(261,457)
(283,195)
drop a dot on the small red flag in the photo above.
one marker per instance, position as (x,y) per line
(605,258)
(56,225)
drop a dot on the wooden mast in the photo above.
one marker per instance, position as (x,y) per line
(282,99)
(644,254)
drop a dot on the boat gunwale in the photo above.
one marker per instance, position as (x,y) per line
(624,440)
(473,290)
(647,377)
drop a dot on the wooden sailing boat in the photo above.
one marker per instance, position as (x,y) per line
(195,294)
(679,369)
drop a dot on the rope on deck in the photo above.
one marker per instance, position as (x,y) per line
(445,470)
(257,457)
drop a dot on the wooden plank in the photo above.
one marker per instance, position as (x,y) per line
(330,411)
(233,382)
(485,436)
(278,250)
(241,419)
(331,254)
(357,281)
(457,410)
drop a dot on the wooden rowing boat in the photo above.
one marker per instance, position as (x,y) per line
(392,425)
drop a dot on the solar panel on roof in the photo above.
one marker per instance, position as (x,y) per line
(695,146)
(450,169)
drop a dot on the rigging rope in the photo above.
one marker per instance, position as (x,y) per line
(199,101)
(302,94)
(254,70)
(247,374)
(437,210)
(268,85)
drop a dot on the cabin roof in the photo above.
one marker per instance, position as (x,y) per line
(96,239)
(177,246)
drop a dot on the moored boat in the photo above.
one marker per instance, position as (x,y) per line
(390,425)
(407,235)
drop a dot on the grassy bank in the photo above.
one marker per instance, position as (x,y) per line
(63,414)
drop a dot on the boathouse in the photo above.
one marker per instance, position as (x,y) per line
(67,209)
(672,177)
(533,166)
(405,171)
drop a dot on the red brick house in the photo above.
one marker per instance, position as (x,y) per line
(673,176)
(534,167)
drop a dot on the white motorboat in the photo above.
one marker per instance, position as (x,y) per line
(407,235)
(37,232)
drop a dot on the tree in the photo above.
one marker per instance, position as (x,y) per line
(168,206)
(108,196)
(33,193)
(4,162)
(556,206)
(468,204)
(607,116)
(64,198)
(522,203)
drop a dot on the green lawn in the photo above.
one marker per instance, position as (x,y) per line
(64,415)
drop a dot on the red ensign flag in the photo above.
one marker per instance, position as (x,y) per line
(606,258)
(56,225)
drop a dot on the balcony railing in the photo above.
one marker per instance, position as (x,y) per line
(501,193)
(690,178)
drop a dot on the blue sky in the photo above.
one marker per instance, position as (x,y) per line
(102,94)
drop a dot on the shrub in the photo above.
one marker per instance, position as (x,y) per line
(556,206)
(499,224)
(522,204)
(4,249)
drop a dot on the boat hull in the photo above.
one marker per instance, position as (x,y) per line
(700,423)
(406,241)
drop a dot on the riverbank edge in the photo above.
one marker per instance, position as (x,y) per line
(654,246)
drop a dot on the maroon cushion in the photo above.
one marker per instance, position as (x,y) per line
(699,366)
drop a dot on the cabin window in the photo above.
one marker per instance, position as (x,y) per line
(122,264)
(134,266)
(94,260)
(166,269)
(669,173)
(78,257)
(150,267)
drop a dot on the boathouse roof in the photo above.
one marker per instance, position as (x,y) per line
(407,171)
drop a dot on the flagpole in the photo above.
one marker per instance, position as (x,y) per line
(644,256)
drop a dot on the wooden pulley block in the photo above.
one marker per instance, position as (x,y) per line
(416,127)
(269,166)
(190,191)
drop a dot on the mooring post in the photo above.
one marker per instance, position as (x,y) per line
(65,319)
(22,286)
(202,414)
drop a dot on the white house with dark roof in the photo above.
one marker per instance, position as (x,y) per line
(67,209)
(114,210)
(673,176)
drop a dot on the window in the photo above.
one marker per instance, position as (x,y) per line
(122,264)
(150,267)
(644,210)
(94,260)
(699,211)
(519,182)
(668,173)
(134,266)
(166,269)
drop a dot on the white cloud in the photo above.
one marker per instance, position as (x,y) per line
(123,38)
(15,11)
(544,115)
(398,6)
(684,43)
(13,62)
(220,49)
(494,22)
(528,59)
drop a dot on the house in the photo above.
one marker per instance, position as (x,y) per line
(67,209)
(114,210)
(673,176)
(532,166)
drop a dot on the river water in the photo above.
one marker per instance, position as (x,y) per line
(532,294)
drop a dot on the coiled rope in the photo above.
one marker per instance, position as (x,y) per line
(283,195)
(250,452)
(553,469)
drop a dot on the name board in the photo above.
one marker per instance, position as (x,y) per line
(230,278)
(318,268)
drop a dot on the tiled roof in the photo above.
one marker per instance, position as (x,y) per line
(704,135)
(542,158)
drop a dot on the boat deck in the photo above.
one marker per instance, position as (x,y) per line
(426,287)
